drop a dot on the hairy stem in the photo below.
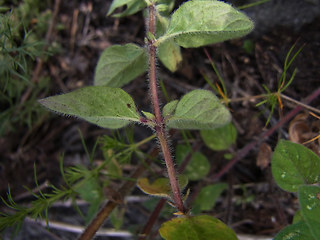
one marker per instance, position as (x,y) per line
(160,127)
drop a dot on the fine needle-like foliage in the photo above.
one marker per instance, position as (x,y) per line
(274,99)
(19,47)
(38,209)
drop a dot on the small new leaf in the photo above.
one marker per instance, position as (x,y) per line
(198,109)
(103,106)
(169,108)
(198,23)
(120,64)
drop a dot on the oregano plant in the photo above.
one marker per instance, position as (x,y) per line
(195,23)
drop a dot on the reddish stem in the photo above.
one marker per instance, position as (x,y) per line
(160,127)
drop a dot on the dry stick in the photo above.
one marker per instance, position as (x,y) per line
(93,227)
(300,103)
(152,219)
(38,68)
(160,127)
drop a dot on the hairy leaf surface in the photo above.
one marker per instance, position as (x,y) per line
(120,64)
(104,106)
(198,109)
(199,23)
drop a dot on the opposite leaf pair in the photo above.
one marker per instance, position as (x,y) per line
(113,108)
(194,24)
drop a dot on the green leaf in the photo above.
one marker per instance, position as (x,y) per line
(132,7)
(149,116)
(4,9)
(164,7)
(310,207)
(199,109)
(181,152)
(220,138)
(106,107)
(297,231)
(169,108)
(297,217)
(170,55)
(208,196)
(169,52)
(117,217)
(161,186)
(120,64)
(113,166)
(199,23)
(90,190)
(198,167)
(196,228)
(294,165)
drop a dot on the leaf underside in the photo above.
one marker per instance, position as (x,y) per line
(161,186)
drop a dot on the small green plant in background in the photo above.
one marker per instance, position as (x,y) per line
(80,181)
(22,31)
